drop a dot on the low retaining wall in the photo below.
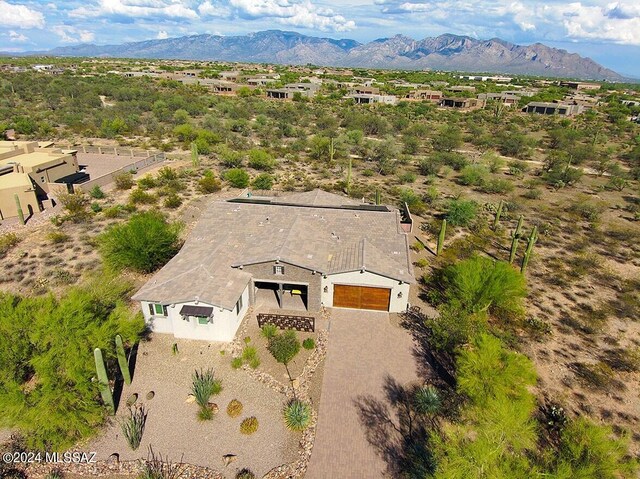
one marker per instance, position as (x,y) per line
(282,321)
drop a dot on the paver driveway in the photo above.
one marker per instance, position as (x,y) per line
(364,351)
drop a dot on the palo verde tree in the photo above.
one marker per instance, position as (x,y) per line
(284,347)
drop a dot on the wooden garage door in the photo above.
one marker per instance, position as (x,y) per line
(361,297)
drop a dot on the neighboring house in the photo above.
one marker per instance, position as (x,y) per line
(301,251)
(576,85)
(368,99)
(32,173)
(507,99)
(549,108)
(364,90)
(424,95)
(288,92)
(462,103)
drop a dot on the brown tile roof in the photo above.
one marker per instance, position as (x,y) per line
(322,237)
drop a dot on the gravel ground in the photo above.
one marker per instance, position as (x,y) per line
(172,428)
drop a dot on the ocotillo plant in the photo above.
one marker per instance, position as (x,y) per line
(498,214)
(515,239)
(122,360)
(19,208)
(103,380)
(194,154)
(532,239)
(443,232)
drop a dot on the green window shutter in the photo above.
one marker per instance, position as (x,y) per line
(203,320)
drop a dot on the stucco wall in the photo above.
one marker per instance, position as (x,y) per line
(357,278)
(292,274)
(8,206)
(223,326)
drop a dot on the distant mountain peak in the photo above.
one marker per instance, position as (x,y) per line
(444,52)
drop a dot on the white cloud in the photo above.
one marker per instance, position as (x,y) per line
(17,37)
(208,9)
(296,13)
(597,20)
(71,34)
(20,16)
(136,9)
(162,34)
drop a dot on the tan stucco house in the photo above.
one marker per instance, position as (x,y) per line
(300,251)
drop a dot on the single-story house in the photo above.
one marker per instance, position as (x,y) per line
(297,252)
(368,99)
(551,108)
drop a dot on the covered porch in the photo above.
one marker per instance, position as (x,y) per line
(272,295)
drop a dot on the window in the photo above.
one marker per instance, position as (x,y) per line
(239,305)
(278,269)
(158,310)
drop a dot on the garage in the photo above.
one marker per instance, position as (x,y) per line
(361,297)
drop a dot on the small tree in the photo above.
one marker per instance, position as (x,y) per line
(461,212)
(284,347)
(264,181)
(237,177)
(145,243)
(75,204)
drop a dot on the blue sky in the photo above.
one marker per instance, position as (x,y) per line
(608,32)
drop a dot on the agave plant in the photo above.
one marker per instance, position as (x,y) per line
(297,415)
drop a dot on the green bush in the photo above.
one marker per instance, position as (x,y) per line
(461,212)
(147,182)
(308,343)
(261,160)
(297,415)
(133,426)
(124,181)
(7,241)
(269,330)
(237,177)
(474,175)
(497,185)
(145,243)
(236,363)
(57,237)
(209,184)
(234,408)
(96,193)
(203,386)
(114,212)
(249,425)
(86,317)
(141,197)
(172,201)
(264,181)
(284,347)
(75,204)
(95,207)
(245,474)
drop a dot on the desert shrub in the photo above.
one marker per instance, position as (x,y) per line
(430,166)
(297,415)
(75,205)
(236,363)
(261,160)
(249,353)
(57,237)
(7,241)
(86,317)
(264,181)
(422,263)
(209,183)
(96,193)
(234,408)
(172,201)
(245,474)
(481,284)
(145,243)
(589,450)
(141,197)
(157,467)
(461,212)
(413,200)
(532,194)
(452,159)
(427,400)
(113,211)
(133,426)
(269,330)
(497,185)
(407,177)
(284,347)
(54,474)
(237,177)
(203,386)
(588,210)
(249,425)
(474,175)
(123,181)
(147,182)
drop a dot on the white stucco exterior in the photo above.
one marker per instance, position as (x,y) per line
(357,278)
(222,325)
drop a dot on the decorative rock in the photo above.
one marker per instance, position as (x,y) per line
(190,399)
(115,457)
(132,399)
(228,459)
(150,395)
(213,407)
(295,383)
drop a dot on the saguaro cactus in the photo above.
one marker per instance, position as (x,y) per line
(498,214)
(332,149)
(103,380)
(122,360)
(527,254)
(348,182)
(515,238)
(19,208)
(194,155)
(443,232)
(378,200)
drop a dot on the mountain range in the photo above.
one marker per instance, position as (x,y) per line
(445,52)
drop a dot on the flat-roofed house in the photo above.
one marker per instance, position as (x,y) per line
(506,99)
(288,92)
(424,95)
(549,108)
(32,173)
(301,252)
(462,103)
(368,99)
